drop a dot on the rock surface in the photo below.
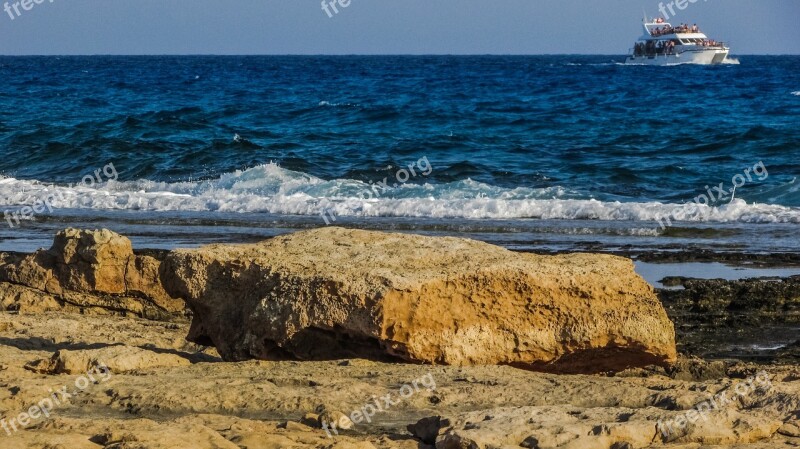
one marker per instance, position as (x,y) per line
(116,359)
(710,314)
(757,301)
(576,428)
(336,292)
(256,404)
(87,272)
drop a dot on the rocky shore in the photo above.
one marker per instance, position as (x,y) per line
(751,319)
(338,338)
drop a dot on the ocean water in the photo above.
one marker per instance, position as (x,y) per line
(558,152)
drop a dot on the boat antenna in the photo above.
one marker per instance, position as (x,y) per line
(644,12)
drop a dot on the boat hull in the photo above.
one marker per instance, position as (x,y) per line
(704,56)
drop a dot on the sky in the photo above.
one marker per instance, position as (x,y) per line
(145,27)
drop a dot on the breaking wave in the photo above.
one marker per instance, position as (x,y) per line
(271,189)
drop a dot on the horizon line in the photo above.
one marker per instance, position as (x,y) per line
(346,54)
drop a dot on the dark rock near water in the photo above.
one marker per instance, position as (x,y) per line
(720,318)
(731,302)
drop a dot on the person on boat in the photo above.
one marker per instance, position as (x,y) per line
(695,29)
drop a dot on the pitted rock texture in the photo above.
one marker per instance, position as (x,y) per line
(88,272)
(336,292)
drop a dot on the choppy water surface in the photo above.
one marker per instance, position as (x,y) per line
(563,152)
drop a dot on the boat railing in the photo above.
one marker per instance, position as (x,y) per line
(663,31)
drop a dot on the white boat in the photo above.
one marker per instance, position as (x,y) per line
(663,44)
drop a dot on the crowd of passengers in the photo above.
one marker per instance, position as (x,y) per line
(651,48)
(669,29)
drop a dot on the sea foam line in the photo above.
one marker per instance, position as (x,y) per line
(271,189)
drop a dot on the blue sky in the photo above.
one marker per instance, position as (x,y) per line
(379,26)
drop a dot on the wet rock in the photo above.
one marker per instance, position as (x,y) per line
(726,319)
(745,301)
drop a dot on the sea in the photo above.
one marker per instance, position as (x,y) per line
(535,153)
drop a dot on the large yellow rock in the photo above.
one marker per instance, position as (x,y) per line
(334,292)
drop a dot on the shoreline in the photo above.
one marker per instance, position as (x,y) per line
(165,384)
(705,330)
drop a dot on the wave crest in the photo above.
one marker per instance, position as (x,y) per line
(271,189)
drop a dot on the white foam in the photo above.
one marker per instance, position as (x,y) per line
(767,348)
(328,103)
(796,93)
(269,188)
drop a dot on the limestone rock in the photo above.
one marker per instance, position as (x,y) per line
(86,271)
(117,359)
(498,406)
(338,293)
(19,298)
(91,261)
(574,428)
(790,429)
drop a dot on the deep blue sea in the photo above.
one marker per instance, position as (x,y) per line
(562,152)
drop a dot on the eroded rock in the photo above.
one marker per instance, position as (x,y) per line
(336,293)
(89,272)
